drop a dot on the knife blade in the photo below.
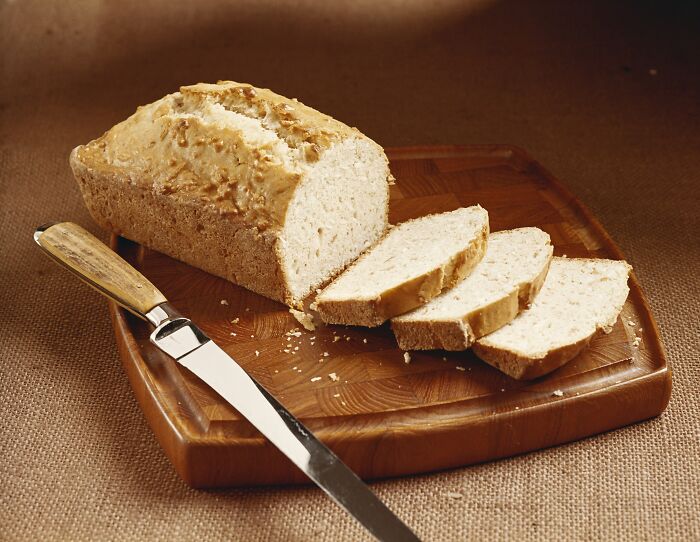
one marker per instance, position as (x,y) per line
(93,262)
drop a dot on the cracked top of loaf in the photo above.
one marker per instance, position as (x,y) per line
(230,145)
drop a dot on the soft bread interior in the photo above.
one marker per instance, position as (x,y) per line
(407,252)
(338,211)
(512,258)
(578,297)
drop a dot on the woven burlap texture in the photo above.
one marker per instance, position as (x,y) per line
(604,95)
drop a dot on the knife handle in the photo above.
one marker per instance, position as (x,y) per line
(99,266)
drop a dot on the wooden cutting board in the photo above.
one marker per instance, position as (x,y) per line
(381,416)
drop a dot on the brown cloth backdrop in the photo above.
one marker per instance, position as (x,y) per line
(605,94)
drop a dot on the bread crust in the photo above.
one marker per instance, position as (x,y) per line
(375,311)
(198,235)
(522,367)
(460,333)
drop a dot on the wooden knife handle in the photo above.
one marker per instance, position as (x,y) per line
(100,267)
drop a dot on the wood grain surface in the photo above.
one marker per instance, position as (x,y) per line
(352,387)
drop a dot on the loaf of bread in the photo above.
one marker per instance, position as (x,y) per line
(413,263)
(501,285)
(579,298)
(240,182)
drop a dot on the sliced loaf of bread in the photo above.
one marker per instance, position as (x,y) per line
(409,266)
(579,297)
(499,287)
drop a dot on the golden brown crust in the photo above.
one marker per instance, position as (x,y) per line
(459,334)
(408,295)
(522,367)
(298,125)
(187,232)
(455,334)
(237,148)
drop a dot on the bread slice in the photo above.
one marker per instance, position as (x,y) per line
(579,297)
(241,182)
(500,286)
(412,264)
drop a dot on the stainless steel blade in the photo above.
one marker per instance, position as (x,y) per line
(182,340)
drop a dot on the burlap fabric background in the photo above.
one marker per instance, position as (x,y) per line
(572,82)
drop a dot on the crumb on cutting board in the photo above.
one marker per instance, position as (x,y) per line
(304,319)
(406,357)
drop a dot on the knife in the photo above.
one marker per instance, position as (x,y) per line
(100,267)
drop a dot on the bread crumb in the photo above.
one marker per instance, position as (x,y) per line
(257,353)
(640,330)
(223,302)
(454,495)
(315,379)
(334,377)
(636,341)
(653,72)
(276,371)
(296,348)
(444,358)
(235,320)
(294,368)
(406,357)
(304,319)
(286,350)
(336,339)
(460,368)
(342,403)
(247,309)
(631,323)
(336,395)
(364,341)
(325,354)
(318,290)
(347,338)
(558,393)
(233,334)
